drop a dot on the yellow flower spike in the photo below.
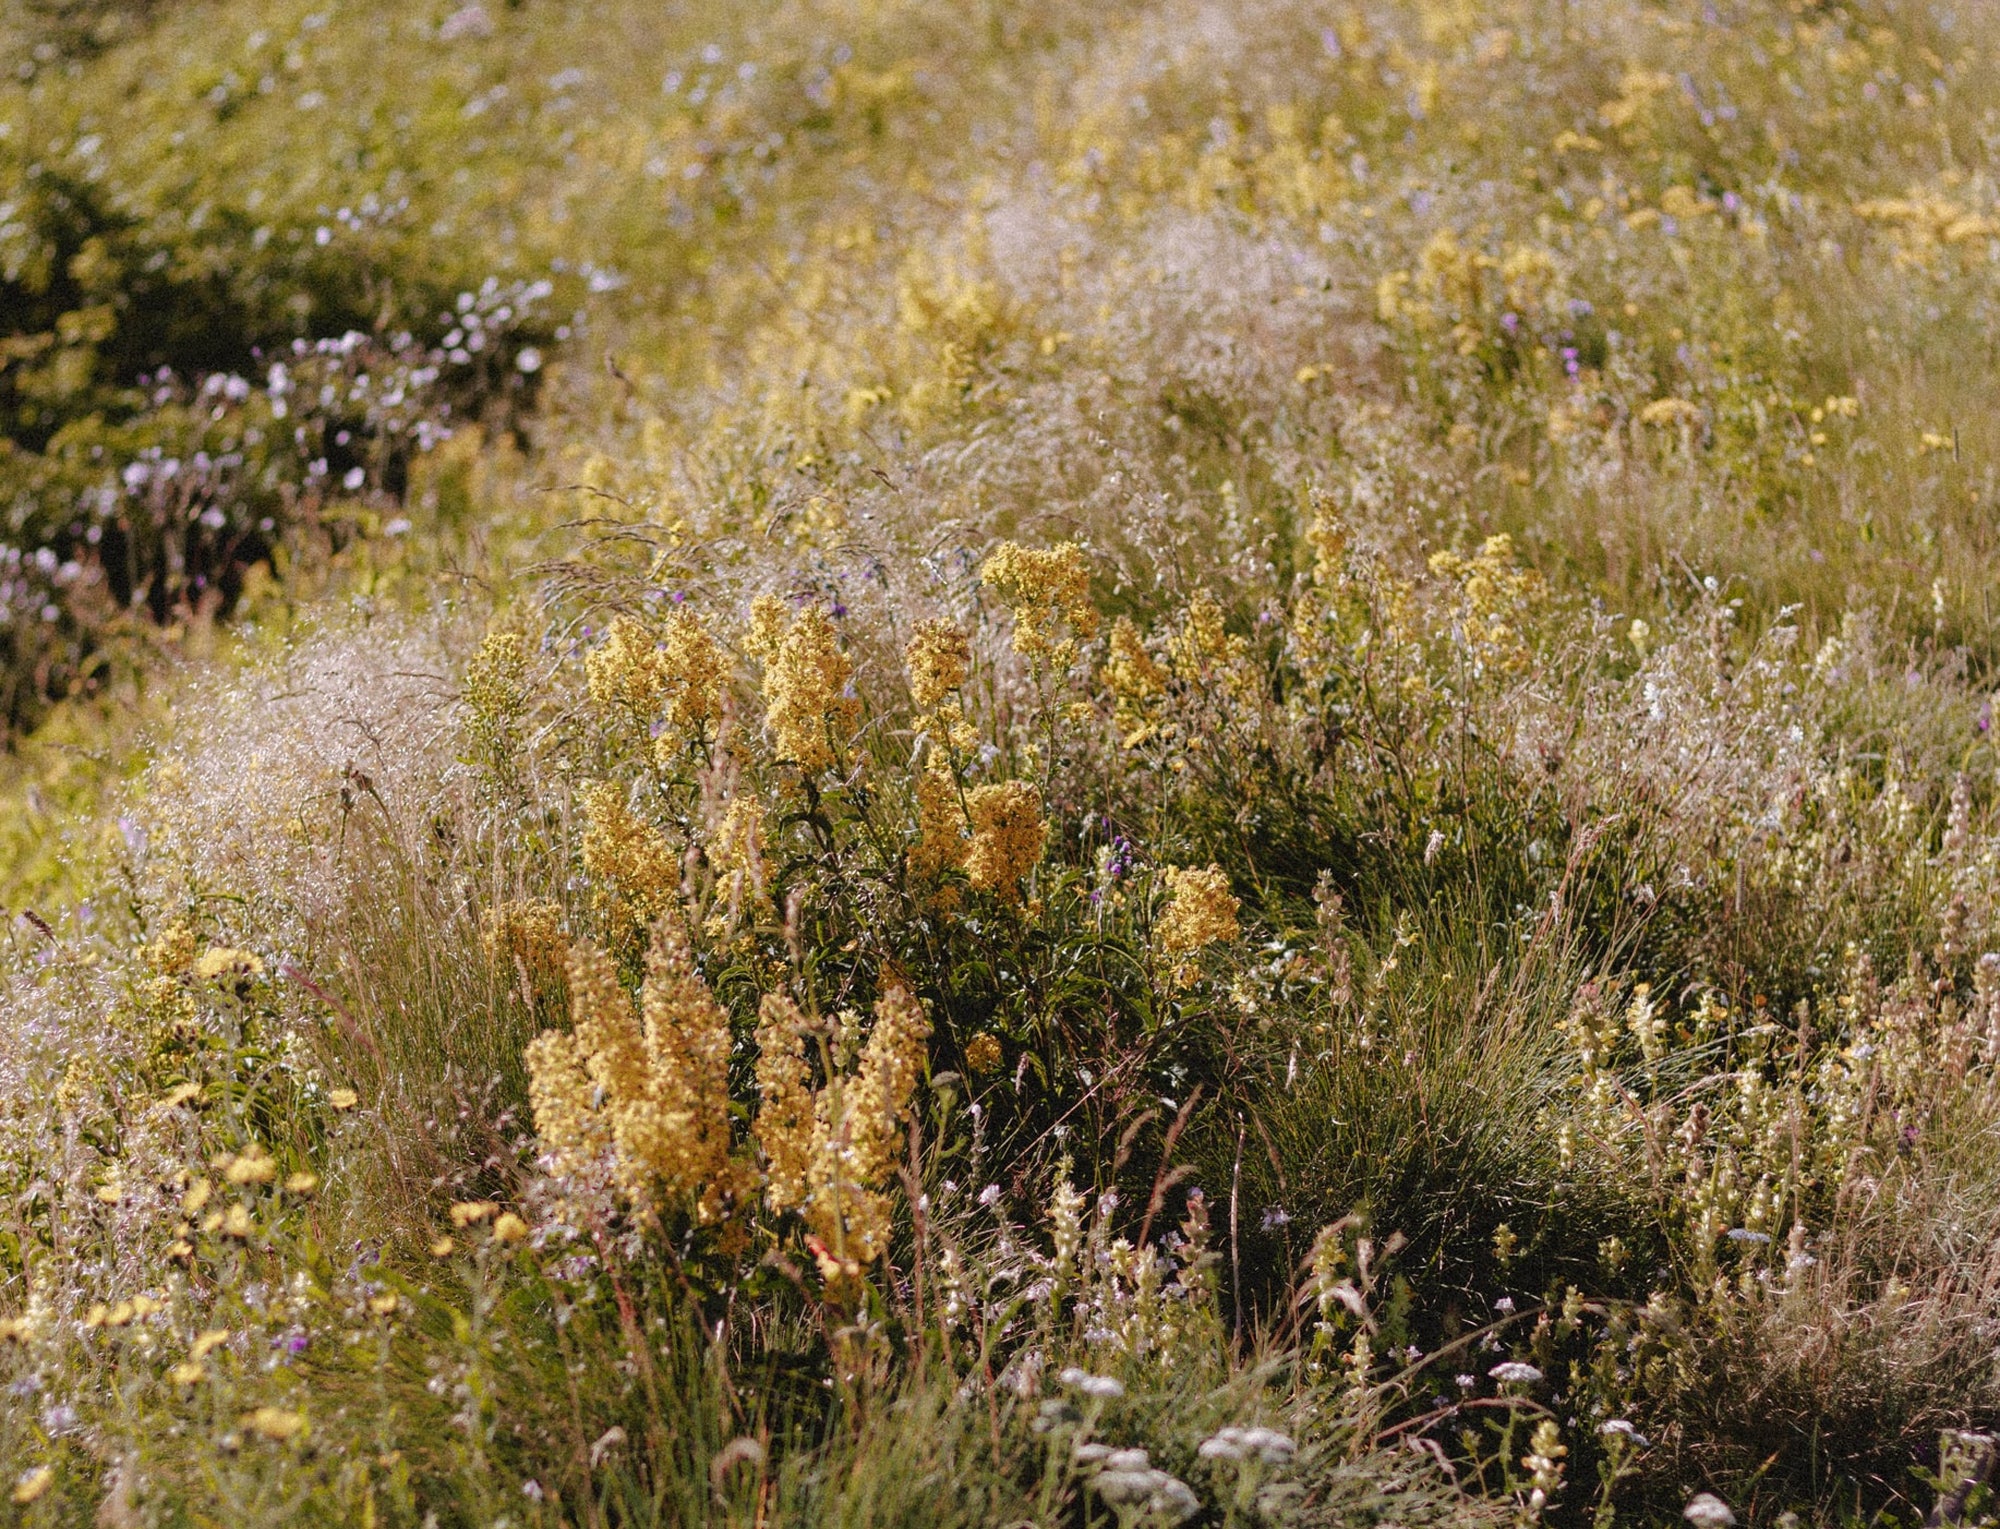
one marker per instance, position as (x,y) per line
(805,691)
(1200,911)
(1008,833)
(1045,589)
(939,658)
(254,1166)
(275,1423)
(222,963)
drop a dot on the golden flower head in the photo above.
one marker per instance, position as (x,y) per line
(1008,832)
(939,658)
(805,691)
(1200,910)
(222,964)
(527,932)
(941,843)
(982,1053)
(1048,590)
(275,1423)
(173,952)
(674,678)
(496,693)
(628,854)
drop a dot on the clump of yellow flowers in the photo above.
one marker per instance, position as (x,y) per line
(1048,590)
(807,705)
(639,1101)
(1200,911)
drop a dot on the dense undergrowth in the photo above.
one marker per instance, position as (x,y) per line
(883,764)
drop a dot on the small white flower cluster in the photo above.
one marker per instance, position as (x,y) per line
(1266,1446)
(1134,1488)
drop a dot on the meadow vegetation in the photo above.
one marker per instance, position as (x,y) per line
(999,764)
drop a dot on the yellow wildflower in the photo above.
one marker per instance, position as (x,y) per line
(496,694)
(254,1166)
(785,1114)
(805,685)
(173,952)
(343,1099)
(1204,647)
(1666,412)
(208,1342)
(301,1183)
(1008,832)
(1200,910)
(1046,589)
(510,1229)
(275,1423)
(32,1484)
(735,851)
(527,933)
(1136,680)
(623,850)
(982,1054)
(657,1097)
(941,844)
(939,658)
(221,962)
(471,1212)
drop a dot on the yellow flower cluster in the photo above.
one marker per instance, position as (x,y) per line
(1203,650)
(676,681)
(735,851)
(1136,681)
(1008,832)
(805,682)
(527,933)
(654,1099)
(628,854)
(1047,589)
(941,842)
(939,658)
(496,694)
(1497,595)
(1200,911)
(827,1154)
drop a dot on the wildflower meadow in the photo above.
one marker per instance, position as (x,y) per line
(1186,762)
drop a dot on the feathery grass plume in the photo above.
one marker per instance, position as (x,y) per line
(636,869)
(806,683)
(1008,834)
(1048,590)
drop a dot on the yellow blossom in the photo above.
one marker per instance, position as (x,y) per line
(254,1166)
(624,851)
(805,691)
(221,962)
(941,843)
(1200,910)
(496,694)
(939,658)
(982,1054)
(32,1484)
(1136,680)
(509,1229)
(173,952)
(208,1342)
(343,1098)
(527,933)
(785,1112)
(275,1423)
(1047,590)
(1008,832)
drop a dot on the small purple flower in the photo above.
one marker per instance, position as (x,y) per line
(1510,322)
